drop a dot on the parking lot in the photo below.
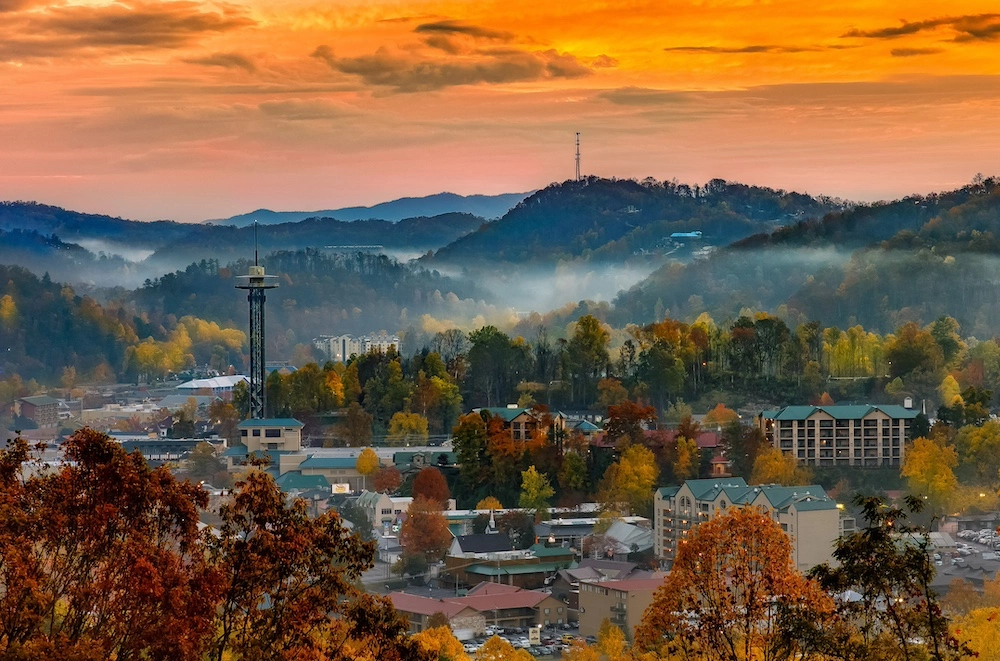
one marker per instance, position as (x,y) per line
(554,640)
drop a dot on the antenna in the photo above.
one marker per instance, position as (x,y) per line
(255,242)
(578,156)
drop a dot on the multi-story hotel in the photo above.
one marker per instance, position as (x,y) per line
(840,435)
(810,518)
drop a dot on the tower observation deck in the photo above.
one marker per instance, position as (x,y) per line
(256,283)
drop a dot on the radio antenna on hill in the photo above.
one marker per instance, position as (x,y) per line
(255,243)
(578,156)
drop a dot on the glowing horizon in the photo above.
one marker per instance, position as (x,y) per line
(193,110)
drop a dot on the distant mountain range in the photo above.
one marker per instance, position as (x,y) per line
(484,206)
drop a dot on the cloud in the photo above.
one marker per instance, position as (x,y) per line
(411,73)
(757,48)
(58,31)
(457,27)
(225,60)
(302,109)
(975,27)
(13,5)
(911,52)
(641,96)
(604,62)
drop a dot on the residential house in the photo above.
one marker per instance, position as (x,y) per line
(525,423)
(620,602)
(840,435)
(383,509)
(810,518)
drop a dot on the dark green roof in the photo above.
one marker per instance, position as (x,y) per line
(294,481)
(271,422)
(329,462)
(543,551)
(839,412)
(668,492)
(709,488)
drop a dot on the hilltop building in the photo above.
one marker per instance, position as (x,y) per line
(840,435)
(523,423)
(341,347)
(810,518)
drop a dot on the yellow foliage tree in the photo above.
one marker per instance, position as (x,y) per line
(498,649)
(611,641)
(627,485)
(581,651)
(441,644)
(980,630)
(367,463)
(489,503)
(688,457)
(405,428)
(8,311)
(336,386)
(950,391)
(773,466)
(929,470)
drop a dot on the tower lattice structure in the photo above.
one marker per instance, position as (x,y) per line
(256,283)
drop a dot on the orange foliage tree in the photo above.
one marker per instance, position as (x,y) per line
(102,559)
(425,531)
(430,484)
(387,479)
(733,594)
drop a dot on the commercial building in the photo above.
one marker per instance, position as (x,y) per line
(840,435)
(620,602)
(40,409)
(809,517)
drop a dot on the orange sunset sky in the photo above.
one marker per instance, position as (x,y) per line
(195,110)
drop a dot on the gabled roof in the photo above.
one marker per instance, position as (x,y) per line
(501,601)
(270,422)
(805,498)
(487,587)
(634,584)
(411,603)
(508,414)
(709,488)
(839,411)
(484,543)
(668,492)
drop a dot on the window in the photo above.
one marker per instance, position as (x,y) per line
(256,432)
(243,433)
(546,612)
(559,610)
(386,510)
(272,433)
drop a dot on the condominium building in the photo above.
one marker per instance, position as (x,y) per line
(809,517)
(341,347)
(840,435)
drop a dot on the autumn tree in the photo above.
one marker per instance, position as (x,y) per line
(980,633)
(733,594)
(430,484)
(887,562)
(439,642)
(773,466)
(387,480)
(720,416)
(407,428)
(742,445)
(367,463)
(686,465)
(425,530)
(929,470)
(489,503)
(357,426)
(288,583)
(535,493)
(91,570)
(498,649)
(627,485)
(627,421)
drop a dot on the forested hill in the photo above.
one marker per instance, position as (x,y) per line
(879,266)
(486,206)
(611,219)
(75,226)
(226,242)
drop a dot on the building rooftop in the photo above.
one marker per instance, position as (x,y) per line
(270,422)
(838,411)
